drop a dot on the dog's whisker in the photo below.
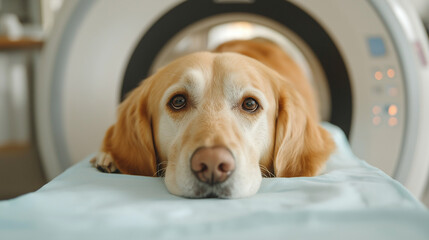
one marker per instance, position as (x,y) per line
(162,167)
(202,139)
(160,172)
(265,172)
(262,171)
(162,163)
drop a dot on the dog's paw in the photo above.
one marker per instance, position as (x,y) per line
(104,163)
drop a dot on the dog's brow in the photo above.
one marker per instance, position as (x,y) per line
(234,90)
(193,80)
(232,86)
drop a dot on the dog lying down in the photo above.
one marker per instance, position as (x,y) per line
(214,123)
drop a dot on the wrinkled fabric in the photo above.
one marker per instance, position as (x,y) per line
(350,200)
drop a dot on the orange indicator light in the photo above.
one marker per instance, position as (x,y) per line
(391,73)
(376,120)
(376,110)
(392,110)
(378,75)
(393,121)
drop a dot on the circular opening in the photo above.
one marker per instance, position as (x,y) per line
(284,17)
(208,33)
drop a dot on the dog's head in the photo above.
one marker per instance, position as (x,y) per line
(213,124)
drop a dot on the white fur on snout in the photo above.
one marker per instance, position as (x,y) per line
(178,175)
(193,83)
(247,150)
(246,179)
(179,178)
(255,131)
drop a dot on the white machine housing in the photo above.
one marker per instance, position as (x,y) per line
(85,59)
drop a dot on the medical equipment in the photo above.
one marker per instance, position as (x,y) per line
(367,59)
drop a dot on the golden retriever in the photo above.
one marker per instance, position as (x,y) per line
(214,123)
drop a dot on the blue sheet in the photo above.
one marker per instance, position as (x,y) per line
(351,200)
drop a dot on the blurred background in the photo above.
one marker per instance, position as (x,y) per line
(24,27)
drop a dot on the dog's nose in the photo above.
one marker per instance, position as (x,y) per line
(212,165)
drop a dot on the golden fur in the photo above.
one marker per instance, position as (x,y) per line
(306,154)
(283,138)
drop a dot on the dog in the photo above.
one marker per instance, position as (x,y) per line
(214,123)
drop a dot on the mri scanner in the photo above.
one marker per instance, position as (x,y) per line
(368,61)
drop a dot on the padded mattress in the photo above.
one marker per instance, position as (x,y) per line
(350,200)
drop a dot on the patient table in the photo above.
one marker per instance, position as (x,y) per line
(350,200)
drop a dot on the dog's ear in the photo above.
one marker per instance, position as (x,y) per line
(129,141)
(302,146)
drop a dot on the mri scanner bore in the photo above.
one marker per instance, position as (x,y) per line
(366,59)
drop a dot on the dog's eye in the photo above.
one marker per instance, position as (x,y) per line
(178,102)
(250,105)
